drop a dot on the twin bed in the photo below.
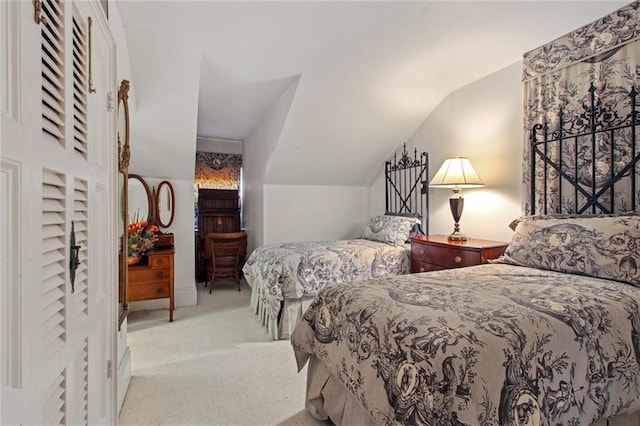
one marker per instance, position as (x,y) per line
(548,334)
(284,278)
(506,343)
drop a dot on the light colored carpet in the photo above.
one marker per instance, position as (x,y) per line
(214,365)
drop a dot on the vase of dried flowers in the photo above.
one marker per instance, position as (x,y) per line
(141,237)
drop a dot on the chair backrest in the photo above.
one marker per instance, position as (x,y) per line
(225,251)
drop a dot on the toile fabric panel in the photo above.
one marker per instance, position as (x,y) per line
(217,171)
(484,345)
(602,58)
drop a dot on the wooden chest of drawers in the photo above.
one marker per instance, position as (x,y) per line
(153,278)
(435,252)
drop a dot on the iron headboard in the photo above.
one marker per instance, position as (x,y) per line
(406,189)
(588,162)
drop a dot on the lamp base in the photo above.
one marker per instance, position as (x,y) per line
(456,203)
(457,236)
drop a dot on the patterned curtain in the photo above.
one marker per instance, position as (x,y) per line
(603,59)
(217,171)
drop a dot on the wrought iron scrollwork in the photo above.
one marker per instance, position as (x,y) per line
(406,187)
(580,160)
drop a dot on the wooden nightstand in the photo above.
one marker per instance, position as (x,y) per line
(435,252)
(153,279)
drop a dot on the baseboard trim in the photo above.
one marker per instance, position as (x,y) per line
(186,296)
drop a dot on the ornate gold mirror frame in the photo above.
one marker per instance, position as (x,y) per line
(124,155)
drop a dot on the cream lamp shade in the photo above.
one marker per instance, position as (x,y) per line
(456,173)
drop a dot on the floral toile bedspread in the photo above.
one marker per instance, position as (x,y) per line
(488,345)
(294,270)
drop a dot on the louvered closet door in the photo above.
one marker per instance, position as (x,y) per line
(57,174)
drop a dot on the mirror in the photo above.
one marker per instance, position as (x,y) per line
(140,206)
(165,202)
(124,155)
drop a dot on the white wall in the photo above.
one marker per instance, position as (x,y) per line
(257,149)
(482,121)
(314,213)
(162,159)
(163,141)
(280,213)
(376,204)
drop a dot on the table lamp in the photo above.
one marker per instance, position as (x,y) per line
(456,173)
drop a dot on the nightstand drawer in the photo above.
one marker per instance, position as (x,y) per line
(420,266)
(148,291)
(160,261)
(452,257)
(152,278)
(148,275)
(436,252)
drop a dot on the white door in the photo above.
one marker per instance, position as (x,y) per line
(57,175)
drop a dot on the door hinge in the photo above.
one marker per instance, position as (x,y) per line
(91,88)
(109,369)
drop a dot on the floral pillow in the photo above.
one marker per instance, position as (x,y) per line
(417,227)
(393,230)
(604,246)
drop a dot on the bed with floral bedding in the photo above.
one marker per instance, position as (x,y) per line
(285,277)
(549,334)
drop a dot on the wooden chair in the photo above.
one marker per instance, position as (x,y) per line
(224,253)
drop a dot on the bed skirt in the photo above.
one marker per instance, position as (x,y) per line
(291,312)
(327,398)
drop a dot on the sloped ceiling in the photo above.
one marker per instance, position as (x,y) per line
(369,72)
(164,107)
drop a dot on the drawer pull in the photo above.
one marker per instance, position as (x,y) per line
(160,261)
(160,274)
(422,269)
(457,259)
(160,290)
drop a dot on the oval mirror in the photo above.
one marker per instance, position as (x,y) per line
(139,202)
(165,202)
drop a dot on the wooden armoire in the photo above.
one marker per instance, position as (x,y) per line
(218,211)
